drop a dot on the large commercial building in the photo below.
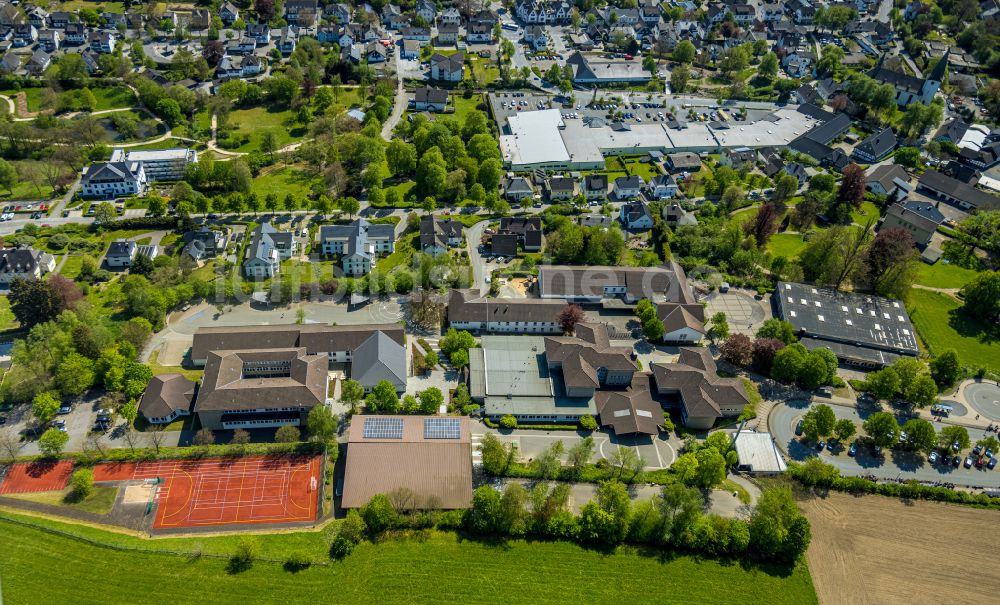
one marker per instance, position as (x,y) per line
(861,329)
(694,385)
(545,139)
(159,164)
(468,310)
(422,462)
(631,284)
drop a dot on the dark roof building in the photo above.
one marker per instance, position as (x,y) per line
(336,341)
(467,310)
(594,284)
(861,329)
(630,411)
(956,192)
(168,396)
(379,358)
(704,396)
(876,147)
(429,457)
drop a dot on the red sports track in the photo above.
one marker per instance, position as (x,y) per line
(41,476)
(226,491)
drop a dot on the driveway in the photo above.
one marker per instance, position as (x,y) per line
(891,465)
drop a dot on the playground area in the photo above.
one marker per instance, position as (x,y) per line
(224,491)
(38,476)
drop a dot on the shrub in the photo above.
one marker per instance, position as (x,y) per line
(470,409)
(247,550)
(82,484)
(297,561)
(588,423)
(340,547)
(58,241)
(508,422)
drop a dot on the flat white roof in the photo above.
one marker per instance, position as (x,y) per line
(758,453)
(534,138)
(150,155)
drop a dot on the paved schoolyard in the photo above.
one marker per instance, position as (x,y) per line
(984,397)
(745,314)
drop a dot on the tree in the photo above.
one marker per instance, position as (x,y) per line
(81,484)
(588,423)
(10,445)
(351,392)
(777,329)
(507,421)
(350,206)
(982,296)
(52,442)
(287,434)
(455,340)
(679,77)
(104,213)
(883,384)
(431,400)
(922,392)
(44,407)
(882,428)
(844,429)
(247,551)
(852,185)
(204,437)
(785,188)
(764,350)
(788,363)
(684,52)
(890,262)
(945,368)
(130,411)
(737,350)
(485,516)
(950,436)
(383,398)
(818,422)
(580,454)
(459,358)
(497,455)
(768,67)
(8,176)
(711,469)
(32,301)
(920,435)
(569,317)
(720,326)
(321,424)
(777,528)
(548,464)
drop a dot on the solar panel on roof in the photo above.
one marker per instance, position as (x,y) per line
(442,428)
(383,428)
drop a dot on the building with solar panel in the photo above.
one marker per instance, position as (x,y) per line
(861,329)
(420,462)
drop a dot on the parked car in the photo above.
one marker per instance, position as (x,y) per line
(820,446)
(990,465)
(933,458)
(968,462)
(59,424)
(65,409)
(798,428)
(853,450)
(956,461)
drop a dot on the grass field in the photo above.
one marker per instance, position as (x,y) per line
(943,275)
(867,212)
(28,171)
(7,320)
(113,98)
(463,106)
(71,268)
(100,7)
(788,245)
(100,501)
(941,326)
(437,568)
(253,122)
(285,180)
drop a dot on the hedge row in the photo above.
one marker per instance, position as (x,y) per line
(909,489)
(190,452)
(143,222)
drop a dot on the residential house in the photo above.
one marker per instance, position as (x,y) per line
(536,36)
(702,395)
(595,186)
(516,188)
(887,179)
(241,66)
(10,63)
(75,34)
(909,88)
(627,187)
(798,171)
(200,19)
(430,99)
(158,164)
(797,64)
(340,12)
(449,16)
(39,62)
(479,33)
(286,40)
(595,220)
(121,253)
(561,188)
(635,216)
(49,39)
(683,162)
(737,156)
(60,19)
(426,10)
(205,243)
(438,235)
(876,147)
(24,263)
(379,358)
(357,243)
(663,187)
(267,248)
(113,179)
(25,34)
(448,68)
(447,33)
(259,32)
(420,34)
(242,46)
(682,322)
(410,49)
(301,12)
(920,225)
(101,42)
(229,13)
(674,215)
(527,230)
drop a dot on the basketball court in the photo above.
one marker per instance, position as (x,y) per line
(38,476)
(225,491)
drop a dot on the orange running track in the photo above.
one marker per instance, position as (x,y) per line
(39,476)
(226,491)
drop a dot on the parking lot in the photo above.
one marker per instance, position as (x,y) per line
(658,452)
(77,424)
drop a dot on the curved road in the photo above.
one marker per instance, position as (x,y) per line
(891,465)
(398,107)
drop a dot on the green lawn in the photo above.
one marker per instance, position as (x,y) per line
(113,98)
(305,272)
(255,121)
(168,144)
(100,7)
(29,173)
(436,568)
(100,501)
(403,188)
(463,106)
(402,255)
(7,320)
(71,268)
(942,326)
(484,70)
(944,275)
(786,244)
(285,180)
(867,211)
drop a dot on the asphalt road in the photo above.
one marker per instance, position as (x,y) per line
(891,465)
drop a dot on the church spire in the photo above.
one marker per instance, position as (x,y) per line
(941,68)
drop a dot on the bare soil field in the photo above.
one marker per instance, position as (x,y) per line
(872,549)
